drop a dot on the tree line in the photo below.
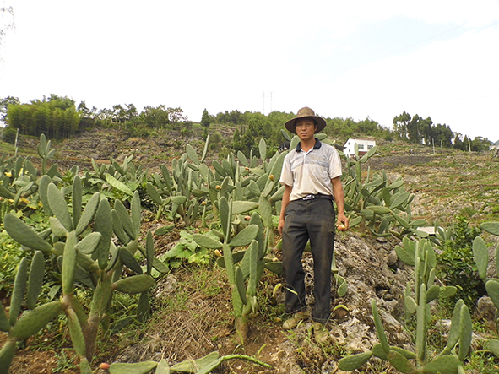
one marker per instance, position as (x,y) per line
(251,126)
(419,130)
(58,117)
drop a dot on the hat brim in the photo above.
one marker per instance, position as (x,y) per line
(291,124)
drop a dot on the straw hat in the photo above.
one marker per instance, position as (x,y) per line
(305,112)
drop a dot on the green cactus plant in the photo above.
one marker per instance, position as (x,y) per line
(182,189)
(115,180)
(416,362)
(244,268)
(19,179)
(375,203)
(422,256)
(45,151)
(93,256)
(203,365)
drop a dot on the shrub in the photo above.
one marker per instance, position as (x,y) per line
(457,266)
(9,135)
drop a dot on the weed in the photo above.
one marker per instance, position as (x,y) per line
(483,363)
(467,212)
(10,255)
(64,362)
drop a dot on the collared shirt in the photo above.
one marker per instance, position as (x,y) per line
(311,172)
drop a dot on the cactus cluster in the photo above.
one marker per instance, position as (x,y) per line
(245,267)
(93,243)
(421,255)
(378,205)
(180,191)
(85,256)
(19,180)
(115,180)
(235,188)
(449,361)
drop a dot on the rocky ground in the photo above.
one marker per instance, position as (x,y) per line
(368,264)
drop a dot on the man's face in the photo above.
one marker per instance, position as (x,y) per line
(305,128)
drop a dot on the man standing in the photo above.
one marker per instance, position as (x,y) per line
(311,178)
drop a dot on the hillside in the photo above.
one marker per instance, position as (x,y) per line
(191,305)
(444,182)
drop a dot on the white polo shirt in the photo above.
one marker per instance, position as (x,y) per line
(311,172)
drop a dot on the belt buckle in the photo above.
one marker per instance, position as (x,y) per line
(309,197)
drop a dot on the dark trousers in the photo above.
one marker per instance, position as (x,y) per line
(315,220)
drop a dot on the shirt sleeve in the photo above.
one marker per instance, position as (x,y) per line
(335,164)
(286,174)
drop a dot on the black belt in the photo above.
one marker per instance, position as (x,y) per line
(316,196)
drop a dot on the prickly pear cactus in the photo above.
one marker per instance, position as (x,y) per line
(416,362)
(376,203)
(95,256)
(421,255)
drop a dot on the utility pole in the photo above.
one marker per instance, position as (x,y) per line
(263,102)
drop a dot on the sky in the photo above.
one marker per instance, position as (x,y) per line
(357,59)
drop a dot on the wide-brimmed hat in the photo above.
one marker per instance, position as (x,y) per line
(305,112)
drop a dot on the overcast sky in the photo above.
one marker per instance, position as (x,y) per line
(358,59)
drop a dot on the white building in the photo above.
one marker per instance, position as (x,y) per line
(364,146)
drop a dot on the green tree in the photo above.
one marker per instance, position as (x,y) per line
(119,114)
(9,135)
(400,124)
(154,117)
(176,116)
(442,135)
(480,144)
(87,118)
(458,143)
(256,130)
(55,116)
(425,129)
(216,141)
(236,142)
(205,119)
(413,129)
(82,107)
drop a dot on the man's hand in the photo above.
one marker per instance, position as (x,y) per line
(343,223)
(281,225)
